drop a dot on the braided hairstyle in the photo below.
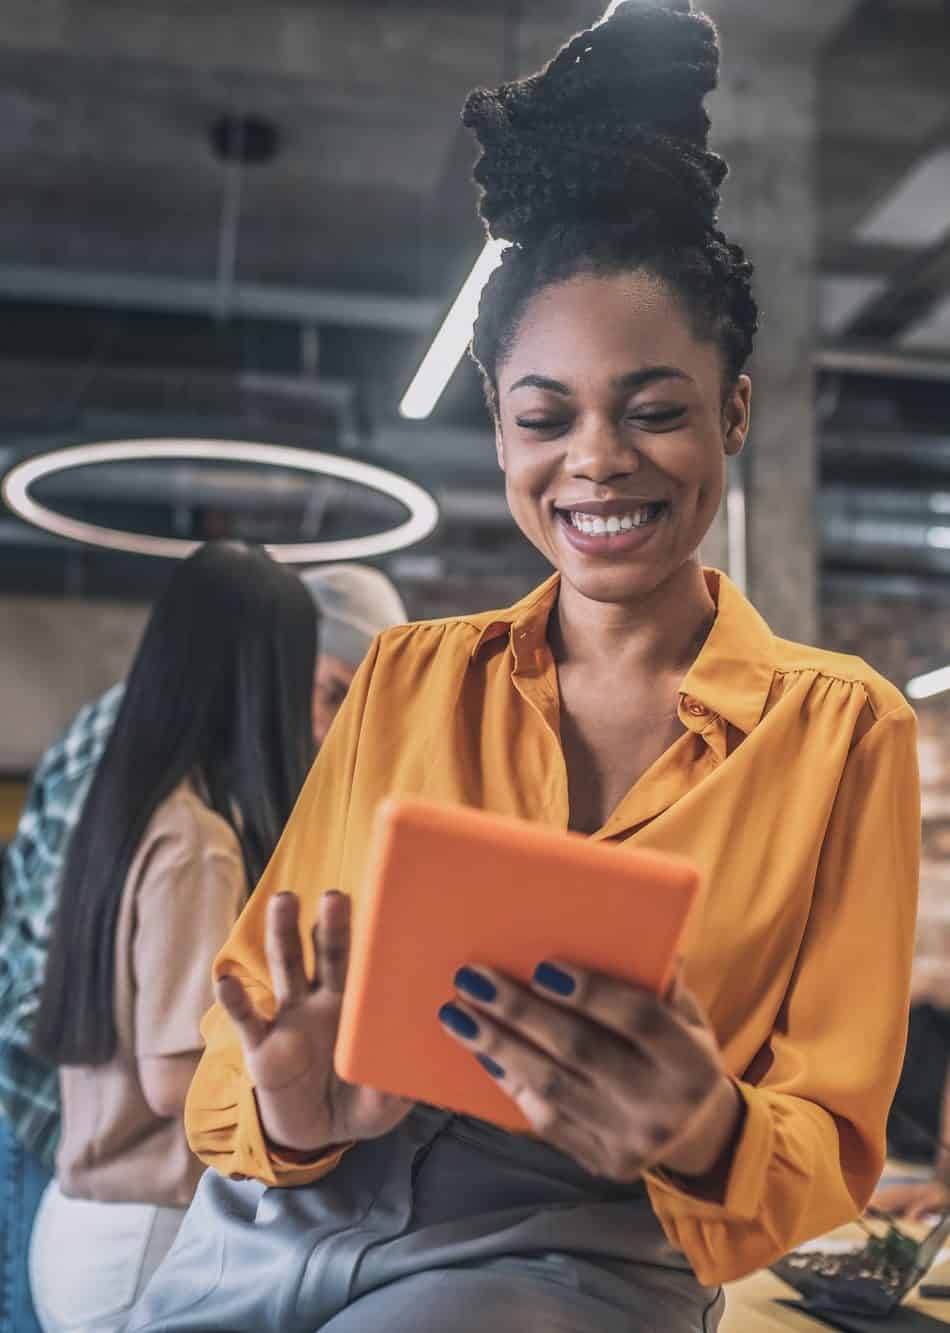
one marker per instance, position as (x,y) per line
(599,164)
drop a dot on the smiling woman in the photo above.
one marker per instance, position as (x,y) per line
(613,428)
(678,1141)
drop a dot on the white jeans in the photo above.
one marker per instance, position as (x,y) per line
(90,1262)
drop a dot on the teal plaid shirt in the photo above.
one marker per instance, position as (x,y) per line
(29,1090)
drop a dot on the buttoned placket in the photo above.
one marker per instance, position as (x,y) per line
(702,721)
(675,773)
(534,676)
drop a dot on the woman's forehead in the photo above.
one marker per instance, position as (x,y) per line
(605,325)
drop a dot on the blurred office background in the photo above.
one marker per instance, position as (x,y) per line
(246,222)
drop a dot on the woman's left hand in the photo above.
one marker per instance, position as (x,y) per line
(616,1077)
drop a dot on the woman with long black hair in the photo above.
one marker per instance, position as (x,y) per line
(678,1142)
(209,749)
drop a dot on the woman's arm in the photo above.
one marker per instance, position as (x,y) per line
(816,1099)
(165,1080)
(223,1116)
(188,899)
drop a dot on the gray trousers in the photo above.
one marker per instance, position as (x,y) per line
(445,1224)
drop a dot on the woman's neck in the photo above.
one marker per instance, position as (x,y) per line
(661,632)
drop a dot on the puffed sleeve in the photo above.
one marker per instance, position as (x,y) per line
(221,1112)
(187,904)
(816,1098)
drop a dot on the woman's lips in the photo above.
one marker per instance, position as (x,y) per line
(615,533)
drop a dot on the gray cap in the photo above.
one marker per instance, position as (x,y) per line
(355,602)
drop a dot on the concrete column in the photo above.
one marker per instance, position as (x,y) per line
(765,124)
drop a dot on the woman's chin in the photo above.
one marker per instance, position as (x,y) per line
(624,584)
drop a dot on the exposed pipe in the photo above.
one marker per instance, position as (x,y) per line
(881,360)
(136,291)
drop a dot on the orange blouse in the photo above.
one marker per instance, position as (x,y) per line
(795,790)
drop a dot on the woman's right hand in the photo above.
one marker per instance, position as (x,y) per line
(304,1107)
(915,1201)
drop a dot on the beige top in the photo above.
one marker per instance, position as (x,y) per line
(183,893)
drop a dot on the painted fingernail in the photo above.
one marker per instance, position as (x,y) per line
(458,1021)
(552,978)
(491,1065)
(476,985)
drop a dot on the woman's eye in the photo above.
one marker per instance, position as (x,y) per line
(539,423)
(664,417)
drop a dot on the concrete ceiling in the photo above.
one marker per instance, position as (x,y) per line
(130,254)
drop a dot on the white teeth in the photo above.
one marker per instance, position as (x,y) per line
(600,527)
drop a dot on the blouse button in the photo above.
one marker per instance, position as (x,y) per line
(696,709)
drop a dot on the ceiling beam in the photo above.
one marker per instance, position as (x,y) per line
(912,293)
(138,291)
(882,360)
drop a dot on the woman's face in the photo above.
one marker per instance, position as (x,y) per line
(613,434)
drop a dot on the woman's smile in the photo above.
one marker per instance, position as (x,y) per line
(606,530)
(613,433)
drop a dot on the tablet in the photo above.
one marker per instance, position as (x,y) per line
(448,885)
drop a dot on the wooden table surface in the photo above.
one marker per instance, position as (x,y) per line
(751,1308)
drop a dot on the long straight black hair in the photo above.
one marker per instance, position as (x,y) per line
(219,692)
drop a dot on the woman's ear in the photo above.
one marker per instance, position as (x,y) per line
(499,445)
(736,415)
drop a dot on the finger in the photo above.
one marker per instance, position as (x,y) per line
(563,1133)
(581,1139)
(581,1045)
(234,1000)
(518,1065)
(928,1205)
(332,941)
(632,1013)
(285,949)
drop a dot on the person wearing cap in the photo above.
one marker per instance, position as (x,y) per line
(356,602)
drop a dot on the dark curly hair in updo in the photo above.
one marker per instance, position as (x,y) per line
(600,164)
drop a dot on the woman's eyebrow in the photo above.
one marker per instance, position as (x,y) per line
(634,379)
(540,382)
(638,379)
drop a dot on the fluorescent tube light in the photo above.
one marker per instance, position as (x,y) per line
(924,687)
(451,340)
(454,336)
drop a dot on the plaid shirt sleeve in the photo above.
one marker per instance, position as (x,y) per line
(29,1090)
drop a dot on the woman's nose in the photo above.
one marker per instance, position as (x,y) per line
(599,454)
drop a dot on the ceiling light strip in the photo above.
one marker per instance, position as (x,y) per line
(926,686)
(448,346)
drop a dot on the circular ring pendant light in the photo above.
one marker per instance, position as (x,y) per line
(423,511)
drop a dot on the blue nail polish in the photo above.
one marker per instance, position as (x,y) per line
(552,978)
(491,1065)
(458,1021)
(476,985)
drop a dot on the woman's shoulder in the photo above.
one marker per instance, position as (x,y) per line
(457,637)
(882,696)
(184,828)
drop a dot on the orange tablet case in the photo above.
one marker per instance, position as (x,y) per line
(447,885)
